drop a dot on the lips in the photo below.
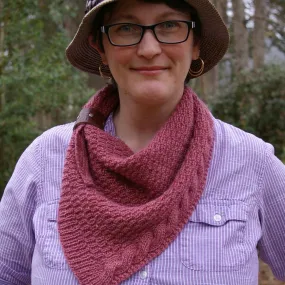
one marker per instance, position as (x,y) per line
(149,68)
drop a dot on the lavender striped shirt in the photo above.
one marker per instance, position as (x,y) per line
(242,209)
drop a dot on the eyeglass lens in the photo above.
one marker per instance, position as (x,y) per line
(166,32)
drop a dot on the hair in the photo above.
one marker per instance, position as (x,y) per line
(179,5)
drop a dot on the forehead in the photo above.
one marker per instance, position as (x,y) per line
(144,10)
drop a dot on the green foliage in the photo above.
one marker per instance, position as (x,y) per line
(255,102)
(36,83)
(16,132)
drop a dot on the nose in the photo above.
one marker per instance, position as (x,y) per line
(149,47)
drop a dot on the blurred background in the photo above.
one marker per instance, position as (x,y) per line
(39,89)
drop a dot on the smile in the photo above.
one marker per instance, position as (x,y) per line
(150,70)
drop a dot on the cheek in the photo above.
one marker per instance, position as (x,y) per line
(118,57)
(181,57)
(181,53)
(122,58)
(119,60)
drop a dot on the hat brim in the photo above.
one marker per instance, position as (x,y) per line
(214,40)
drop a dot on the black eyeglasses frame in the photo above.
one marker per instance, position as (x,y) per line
(105,29)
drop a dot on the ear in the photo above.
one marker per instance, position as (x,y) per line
(97,47)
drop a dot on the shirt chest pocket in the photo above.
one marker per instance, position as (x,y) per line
(214,237)
(48,238)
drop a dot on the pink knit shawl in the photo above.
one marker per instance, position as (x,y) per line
(119,209)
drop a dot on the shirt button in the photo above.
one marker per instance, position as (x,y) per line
(217,218)
(143,274)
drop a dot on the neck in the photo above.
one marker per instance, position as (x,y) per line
(137,123)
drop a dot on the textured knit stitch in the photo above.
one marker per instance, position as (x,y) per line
(119,209)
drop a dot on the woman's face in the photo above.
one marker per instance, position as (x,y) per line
(150,72)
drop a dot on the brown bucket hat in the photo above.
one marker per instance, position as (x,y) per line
(213,45)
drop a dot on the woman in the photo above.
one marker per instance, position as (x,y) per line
(146,187)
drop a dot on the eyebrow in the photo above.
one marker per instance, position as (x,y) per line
(159,18)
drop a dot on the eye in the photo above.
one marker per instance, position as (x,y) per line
(169,25)
(126,29)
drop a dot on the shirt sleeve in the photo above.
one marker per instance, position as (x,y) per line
(272,243)
(16,220)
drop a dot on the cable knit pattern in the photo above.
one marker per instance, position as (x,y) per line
(119,209)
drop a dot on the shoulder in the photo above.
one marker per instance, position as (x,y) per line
(234,139)
(56,137)
(52,146)
(239,156)
(53,140)
(50,152)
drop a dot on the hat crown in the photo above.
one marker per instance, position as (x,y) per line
(91,4)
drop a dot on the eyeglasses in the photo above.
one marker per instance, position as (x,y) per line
(168,32)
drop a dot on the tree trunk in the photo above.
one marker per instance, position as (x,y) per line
(42,118)
(209,83)
(222,7)
(71,23)
(2,59)
(49,26)
(259,33)
(240,32)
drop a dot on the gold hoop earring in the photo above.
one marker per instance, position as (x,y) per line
(102,74)
(194,74)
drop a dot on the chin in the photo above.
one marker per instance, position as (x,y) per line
(152,93)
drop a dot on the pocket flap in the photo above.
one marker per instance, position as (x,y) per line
(219,212)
